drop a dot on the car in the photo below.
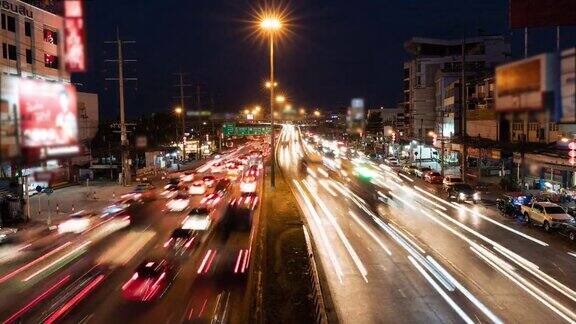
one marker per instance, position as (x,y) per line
(247,200)
(77,222)
(217,167)
(187,176)
(549,215)
(198,219)
(253,171)
(129,201)
(248,184)
(568,230)
(197,188)
(150,281)
(419,172)
(233,171)
(451,180)
(170,190)
(410,169)
(182,240)
(211,199)
(463,192)
(144,190)
(433,177)
(209,181)
(509,204)
(180,202)
(6,233)
(174,181)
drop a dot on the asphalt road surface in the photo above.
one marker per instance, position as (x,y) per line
(393,250)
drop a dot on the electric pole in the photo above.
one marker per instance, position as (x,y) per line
(463,108)
(181,85)
(126,174)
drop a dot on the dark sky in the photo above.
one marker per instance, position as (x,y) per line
(337,49)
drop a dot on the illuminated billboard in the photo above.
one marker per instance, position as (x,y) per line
(39,119)
(355,116)
(74,34)
(526,85)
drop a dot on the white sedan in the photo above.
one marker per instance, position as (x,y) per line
(248,184)
(197,188)
(178,203)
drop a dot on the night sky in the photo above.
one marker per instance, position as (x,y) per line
(336,49)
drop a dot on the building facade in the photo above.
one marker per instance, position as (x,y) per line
(437,60)
(32,42)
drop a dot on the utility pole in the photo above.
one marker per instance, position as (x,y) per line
(181,85)
(126,174)
(463,107)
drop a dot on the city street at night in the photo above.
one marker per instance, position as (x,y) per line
(287,161)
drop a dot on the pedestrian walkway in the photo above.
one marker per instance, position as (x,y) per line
(67,200)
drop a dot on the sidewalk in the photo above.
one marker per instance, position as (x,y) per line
(66,200)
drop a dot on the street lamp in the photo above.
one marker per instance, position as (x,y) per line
(317,113)
(179,111)
(271,24)
(280,99)
(268,84)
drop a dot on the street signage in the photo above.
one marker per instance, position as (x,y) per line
(230,129)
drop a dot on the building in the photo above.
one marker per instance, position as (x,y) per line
(32,42)
(437,63)
(87,126)
(380,120)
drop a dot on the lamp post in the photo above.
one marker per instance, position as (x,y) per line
(271,25)
(180,112)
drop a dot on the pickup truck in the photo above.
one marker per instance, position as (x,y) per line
(546,214)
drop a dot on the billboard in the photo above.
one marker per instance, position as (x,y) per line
(568,85)
(39,119)
(527,85)
(74,36)
(542,13)
(356,116)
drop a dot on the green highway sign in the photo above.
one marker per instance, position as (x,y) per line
(230,129)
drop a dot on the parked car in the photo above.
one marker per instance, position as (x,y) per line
(433,177)
(463,192)
(510,203)
(547,214)
(568,230)
(450,181)
(419,172)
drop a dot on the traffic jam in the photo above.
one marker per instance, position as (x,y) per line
(190,228)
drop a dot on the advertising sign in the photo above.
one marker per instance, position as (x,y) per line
(568,85)
(526,85)
(74,34)
(9,148)
(48,119)
(542,13)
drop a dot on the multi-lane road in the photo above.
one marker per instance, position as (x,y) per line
(392,250)
(79,277)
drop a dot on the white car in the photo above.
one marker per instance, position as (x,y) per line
(248,184)
(217,167)
(451,180)
(76,223)
(197,188)
(178,203)
(198,219)
(187,176)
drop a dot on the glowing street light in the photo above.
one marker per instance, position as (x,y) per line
(317,113)
(280,99)
(302,111)
(270,23)
(269,84)
(178,110)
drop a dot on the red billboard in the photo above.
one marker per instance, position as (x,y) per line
(74,34)
(48,119)
(542,13)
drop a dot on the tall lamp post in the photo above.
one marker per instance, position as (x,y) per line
(180,112)
(271,25)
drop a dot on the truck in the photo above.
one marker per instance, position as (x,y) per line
(546,214)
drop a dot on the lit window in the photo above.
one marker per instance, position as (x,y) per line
(50,36)
(51,61)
